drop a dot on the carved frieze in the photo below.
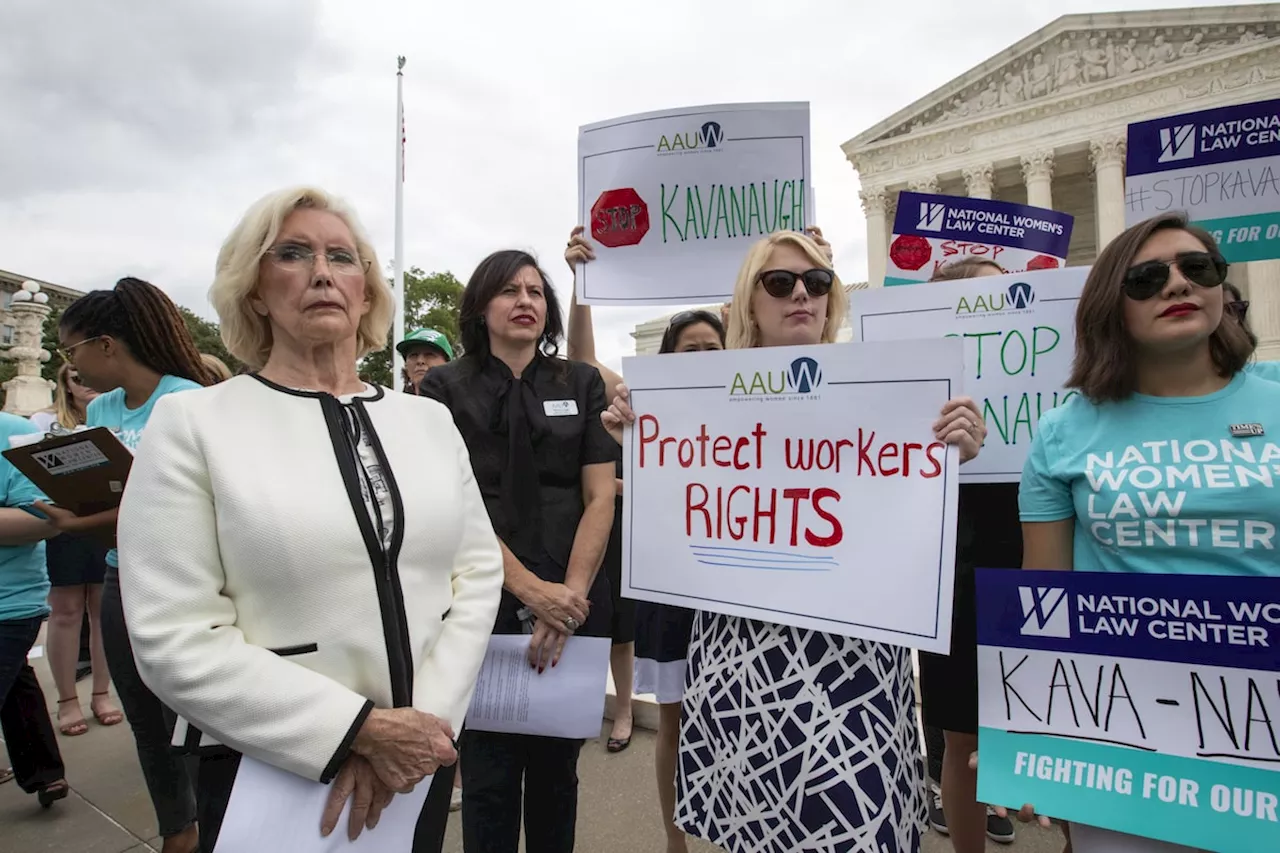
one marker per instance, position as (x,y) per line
(1080,60)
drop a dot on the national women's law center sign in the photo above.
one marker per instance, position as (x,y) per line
(1146,704)
(1221,166)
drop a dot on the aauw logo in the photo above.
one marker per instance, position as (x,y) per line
(1021,295)
(803,376)
(1177,143)
(931,216)
(705,138)
(1044,612)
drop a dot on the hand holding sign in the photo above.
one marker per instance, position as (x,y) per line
(1026,814)
(619,413)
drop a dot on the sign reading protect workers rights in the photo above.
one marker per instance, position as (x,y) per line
(672,200)
(1221,166)
(932,230)
(778,483)
(1147,704)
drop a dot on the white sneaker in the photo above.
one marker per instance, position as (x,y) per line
(455,799)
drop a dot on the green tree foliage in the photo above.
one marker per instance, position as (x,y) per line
(208,338)
(432,300)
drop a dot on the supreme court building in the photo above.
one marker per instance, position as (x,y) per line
(1044,123)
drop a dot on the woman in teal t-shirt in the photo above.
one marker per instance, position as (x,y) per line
(131,345)
(1168,459)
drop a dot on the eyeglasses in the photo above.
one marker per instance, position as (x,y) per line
(295,258)
(1238,307)
(74,379)
(780,283)
(693,317)
(65,352)
(1202,269)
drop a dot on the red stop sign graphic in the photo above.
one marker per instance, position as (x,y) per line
(1042,262)
(910,251)
(619,218)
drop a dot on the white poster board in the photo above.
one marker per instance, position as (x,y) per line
(797,485)
(672,200)
(1019,341)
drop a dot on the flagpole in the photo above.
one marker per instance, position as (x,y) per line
(398,327)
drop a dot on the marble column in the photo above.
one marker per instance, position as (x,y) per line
(979,180)
(28,392)
(1264,307)
(1107,156)
(873,206)
(1037,172)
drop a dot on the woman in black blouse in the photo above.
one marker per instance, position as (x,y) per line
(544,464)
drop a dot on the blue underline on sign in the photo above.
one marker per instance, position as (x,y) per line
(776,561)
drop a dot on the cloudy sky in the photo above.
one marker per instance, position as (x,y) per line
(131,143)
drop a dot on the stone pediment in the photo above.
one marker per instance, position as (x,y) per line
(1077,54)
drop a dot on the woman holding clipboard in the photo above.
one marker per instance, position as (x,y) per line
(131,345)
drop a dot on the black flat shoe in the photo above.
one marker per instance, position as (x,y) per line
(51,793)
(618,744)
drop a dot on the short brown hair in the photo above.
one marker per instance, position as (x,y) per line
(964,268)
(1104,368)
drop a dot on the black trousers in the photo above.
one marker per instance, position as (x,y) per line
(217,776)
(24,716)
(497,771)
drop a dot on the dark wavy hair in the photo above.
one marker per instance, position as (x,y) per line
(684,320)
(139,315)
(1104,369)
(494,273)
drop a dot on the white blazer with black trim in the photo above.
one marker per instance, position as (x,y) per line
(262,605)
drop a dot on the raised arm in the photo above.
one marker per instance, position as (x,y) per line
(581,336)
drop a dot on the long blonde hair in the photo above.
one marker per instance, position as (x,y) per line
(743,332)
(63,405)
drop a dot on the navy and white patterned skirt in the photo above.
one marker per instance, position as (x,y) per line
(795,740)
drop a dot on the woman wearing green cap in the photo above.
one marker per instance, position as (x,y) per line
(422,349)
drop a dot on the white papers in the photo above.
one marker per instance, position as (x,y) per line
(1091,839)
(566,700)
(273,809)
(35,653)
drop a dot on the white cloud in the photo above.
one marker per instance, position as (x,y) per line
(133,141)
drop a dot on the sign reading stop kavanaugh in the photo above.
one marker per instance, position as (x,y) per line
(1221,166)
(932,230)
(673,200)
(1146,704)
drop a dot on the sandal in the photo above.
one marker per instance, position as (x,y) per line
(618,744)
(71,729)
(51,793)
(114,717)
(6,773)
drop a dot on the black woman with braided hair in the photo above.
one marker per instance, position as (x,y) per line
(130,344)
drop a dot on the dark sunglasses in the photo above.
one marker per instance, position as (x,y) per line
(1239,308)
(694,317)
(1145,280)
(74,379)
(780,283)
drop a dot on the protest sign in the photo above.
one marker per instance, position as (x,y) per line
(931,230)
(672,200)
(798,485)
(1019,334)
(1141,703)
(1221,166)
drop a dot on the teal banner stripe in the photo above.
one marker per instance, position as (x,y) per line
(1189,801)
(1255,237)
(893,281)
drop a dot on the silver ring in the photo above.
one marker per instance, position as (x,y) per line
(571,624)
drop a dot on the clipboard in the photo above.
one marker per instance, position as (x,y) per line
(84,471)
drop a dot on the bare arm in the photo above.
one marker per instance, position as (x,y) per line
(1048,545)
(18,527)
(582,341)
(598,492)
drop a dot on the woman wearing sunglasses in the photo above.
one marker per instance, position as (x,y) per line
(853,778)
(1158,364)
(77,568)
(1238,307)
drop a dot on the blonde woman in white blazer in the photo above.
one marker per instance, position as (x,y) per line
(309,574)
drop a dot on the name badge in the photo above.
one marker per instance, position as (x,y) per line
(1245,430)
(560,408)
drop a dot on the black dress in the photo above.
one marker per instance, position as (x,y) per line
(623,625)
